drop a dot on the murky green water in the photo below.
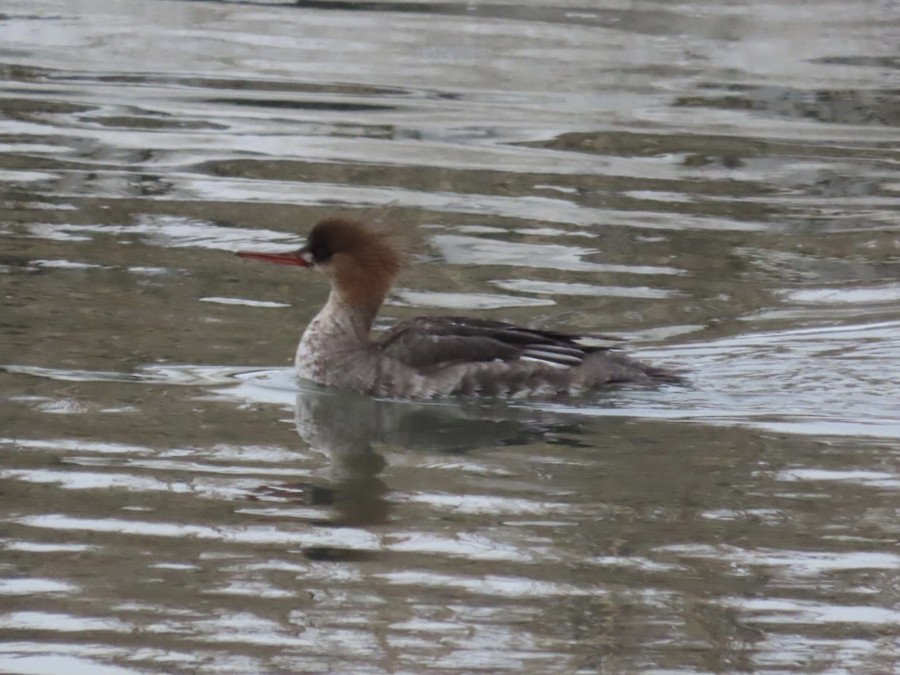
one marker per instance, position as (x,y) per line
(716,182)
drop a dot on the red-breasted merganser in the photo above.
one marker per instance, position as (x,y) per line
(430,356)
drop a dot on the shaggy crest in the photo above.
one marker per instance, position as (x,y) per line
(363,260)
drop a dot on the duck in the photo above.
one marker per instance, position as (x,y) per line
(429,357)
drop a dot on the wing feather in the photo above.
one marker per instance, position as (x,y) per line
(425,342)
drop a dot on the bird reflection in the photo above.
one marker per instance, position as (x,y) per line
(342,427)
(354,430)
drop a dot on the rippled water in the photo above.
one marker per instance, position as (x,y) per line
(716,182)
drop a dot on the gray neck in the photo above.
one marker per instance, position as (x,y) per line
(335,346)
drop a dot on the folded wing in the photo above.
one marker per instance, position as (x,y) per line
(426,342)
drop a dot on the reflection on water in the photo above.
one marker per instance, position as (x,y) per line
(715,183)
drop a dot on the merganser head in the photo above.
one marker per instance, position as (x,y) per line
(360,260)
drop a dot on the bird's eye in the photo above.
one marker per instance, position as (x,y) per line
(320,254)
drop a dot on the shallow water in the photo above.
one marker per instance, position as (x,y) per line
(716,183)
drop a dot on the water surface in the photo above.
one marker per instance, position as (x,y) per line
(717,184)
